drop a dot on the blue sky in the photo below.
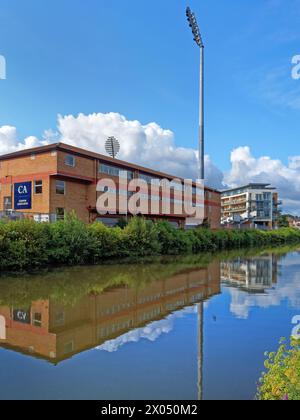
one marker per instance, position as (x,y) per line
(137,58)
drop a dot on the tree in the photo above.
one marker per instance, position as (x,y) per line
(283,221)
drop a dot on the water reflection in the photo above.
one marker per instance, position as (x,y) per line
(121,313)
(185,319)
(253,275)
(258,279)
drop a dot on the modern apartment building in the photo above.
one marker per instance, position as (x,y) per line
(46,183)
(250,206)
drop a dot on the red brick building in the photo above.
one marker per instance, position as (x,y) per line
(45,183)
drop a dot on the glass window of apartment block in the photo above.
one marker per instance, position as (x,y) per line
(38,187)
(70,160)
(60,187)
(114,170)
(60,213)
(7,203)
(267,196)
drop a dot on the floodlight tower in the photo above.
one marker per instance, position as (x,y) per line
(198,39)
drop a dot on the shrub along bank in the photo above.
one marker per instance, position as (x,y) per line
(281,381)
(26,245)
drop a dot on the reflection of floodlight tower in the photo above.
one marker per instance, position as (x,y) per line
(198,39)
(112,146)
(200,349)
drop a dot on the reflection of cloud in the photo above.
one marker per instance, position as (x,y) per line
(286,289)
(151,332)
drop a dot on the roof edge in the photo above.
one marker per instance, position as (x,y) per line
(92,155)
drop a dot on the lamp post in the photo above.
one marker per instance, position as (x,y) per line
(198,39)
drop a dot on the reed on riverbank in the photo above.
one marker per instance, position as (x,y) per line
(27,245)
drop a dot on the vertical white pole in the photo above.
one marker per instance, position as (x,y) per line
(201,116)
(200,350)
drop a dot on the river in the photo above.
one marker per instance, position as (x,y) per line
(178,328)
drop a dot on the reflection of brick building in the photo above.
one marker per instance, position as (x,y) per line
(59,178)
(55,332)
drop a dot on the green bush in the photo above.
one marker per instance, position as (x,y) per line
(105,242)
(172,241)
(70,242)
(25,244)
(282,379)
(140,238)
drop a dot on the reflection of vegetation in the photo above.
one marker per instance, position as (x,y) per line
(68,285)
(282,380)
(27,245)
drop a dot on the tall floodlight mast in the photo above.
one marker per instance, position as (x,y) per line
(198,39)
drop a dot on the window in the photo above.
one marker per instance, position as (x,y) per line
(114,170)
(38,187)
(60,187)
(151,179)
(70,160)
(37,319)
(59,319)
(69,347)
(110,222)
(7,203)
(60,213)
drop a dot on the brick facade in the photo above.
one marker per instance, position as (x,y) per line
(51,164)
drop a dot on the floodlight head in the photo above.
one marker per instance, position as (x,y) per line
(112,146)
(195,28)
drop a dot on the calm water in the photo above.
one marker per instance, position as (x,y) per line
(184,328)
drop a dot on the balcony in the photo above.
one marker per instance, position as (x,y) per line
(233,202)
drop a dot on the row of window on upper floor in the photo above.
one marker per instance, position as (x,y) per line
(116,171)
(111,170)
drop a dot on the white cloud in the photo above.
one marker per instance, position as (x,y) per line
(152,146)
(150,332)
(9,141)
(148,145)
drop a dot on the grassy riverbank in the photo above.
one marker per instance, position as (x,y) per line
(281,381)
(28,245)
